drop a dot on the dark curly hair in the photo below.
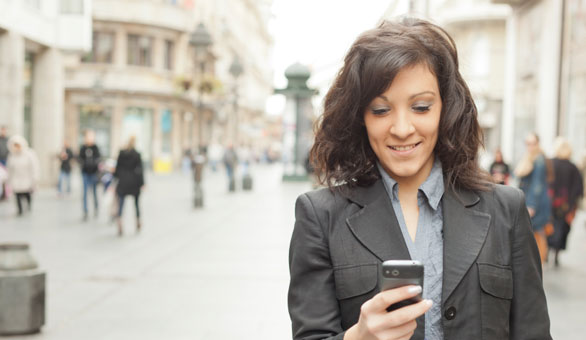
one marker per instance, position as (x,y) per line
(342,153)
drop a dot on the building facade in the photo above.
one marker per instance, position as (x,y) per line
(36,36)
(546,74)
(146,77)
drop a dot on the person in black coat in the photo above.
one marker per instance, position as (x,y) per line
(130,177)
(89,162)
(567,189)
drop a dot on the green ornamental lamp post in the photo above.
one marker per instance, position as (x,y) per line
(297,122)
(201,40)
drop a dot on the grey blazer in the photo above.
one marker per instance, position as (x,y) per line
(492,285)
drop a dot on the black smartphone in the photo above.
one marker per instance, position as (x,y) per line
(398,273)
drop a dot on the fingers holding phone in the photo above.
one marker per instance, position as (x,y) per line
(376,322)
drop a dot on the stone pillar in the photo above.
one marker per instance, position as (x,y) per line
(508,115)
(11,82)
(181,55)
(120,47)
(116,126)
(549,74)
(157,133)
(158,53)
(47,111)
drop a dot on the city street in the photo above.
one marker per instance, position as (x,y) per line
(214,273)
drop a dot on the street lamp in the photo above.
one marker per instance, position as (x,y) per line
(201,40)
(236,70)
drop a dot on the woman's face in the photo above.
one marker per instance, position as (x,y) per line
(402,124)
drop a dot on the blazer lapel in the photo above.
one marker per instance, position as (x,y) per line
(375,225)
(465,230)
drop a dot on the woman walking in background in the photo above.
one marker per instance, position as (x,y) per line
(130,177)
(23,171)
(532,173)
(567,189)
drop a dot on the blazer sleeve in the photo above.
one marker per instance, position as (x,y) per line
(529,315)
(313,306)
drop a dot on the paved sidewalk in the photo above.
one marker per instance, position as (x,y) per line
(214,273)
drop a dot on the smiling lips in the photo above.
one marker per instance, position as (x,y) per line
(404,148)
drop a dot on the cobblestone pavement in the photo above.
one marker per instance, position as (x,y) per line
(214,273)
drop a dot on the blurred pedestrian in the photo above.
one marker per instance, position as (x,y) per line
(567,188)
(3,146)
(129,173)
(499,170)
(230,162)
(3,157)
(23,171)
(89,161)
(532,172)
(65,157)
(245,158)
(215,155)
(397,145)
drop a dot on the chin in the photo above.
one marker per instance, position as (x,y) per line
(403,171)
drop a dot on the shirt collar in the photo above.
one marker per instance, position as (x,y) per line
(432,187)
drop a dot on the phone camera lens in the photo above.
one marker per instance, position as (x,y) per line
(395,272)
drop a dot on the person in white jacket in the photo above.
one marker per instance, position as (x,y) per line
(23,170)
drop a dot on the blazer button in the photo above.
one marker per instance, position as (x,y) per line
(450,313)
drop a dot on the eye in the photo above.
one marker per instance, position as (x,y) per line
(378,112)
(421,108)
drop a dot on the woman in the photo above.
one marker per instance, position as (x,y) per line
(23,171)
(397,145)
(567,189)
(499,170)
(534,172)
(130,180)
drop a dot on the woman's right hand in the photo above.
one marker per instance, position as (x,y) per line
(375,323)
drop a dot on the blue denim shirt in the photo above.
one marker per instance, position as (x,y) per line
(429,244)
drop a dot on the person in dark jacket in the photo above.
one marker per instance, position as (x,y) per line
(499,170)
(567,189)
(397,145)
(65,156)
(130,177)
(89,161)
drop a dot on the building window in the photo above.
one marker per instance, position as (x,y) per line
(102,48)
(71,6)
(169,53)
(140,50)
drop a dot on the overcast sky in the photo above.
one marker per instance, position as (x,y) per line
(317,33)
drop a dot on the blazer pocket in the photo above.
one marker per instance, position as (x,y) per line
(496,283)
(496,280)
(355,280)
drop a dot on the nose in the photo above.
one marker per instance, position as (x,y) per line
(402,126)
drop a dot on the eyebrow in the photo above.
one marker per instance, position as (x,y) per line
(412,96)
